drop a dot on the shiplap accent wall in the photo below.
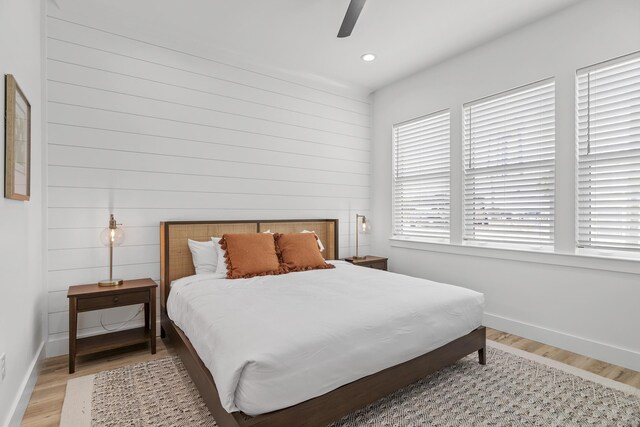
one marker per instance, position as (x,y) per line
(154,133)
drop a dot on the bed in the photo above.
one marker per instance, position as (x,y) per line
(305,374)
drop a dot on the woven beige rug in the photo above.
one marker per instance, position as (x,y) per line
(515,389)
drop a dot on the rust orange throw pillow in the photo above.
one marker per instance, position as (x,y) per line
(250,255)
(300,252)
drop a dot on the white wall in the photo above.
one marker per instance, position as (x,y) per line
(585,305)
(152,131)
(22,297)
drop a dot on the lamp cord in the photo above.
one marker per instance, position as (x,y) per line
(124,323)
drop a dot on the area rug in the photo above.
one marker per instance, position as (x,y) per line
(515,388)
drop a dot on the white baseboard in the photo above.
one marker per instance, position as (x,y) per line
(19,407)
(59,346)
(606,352)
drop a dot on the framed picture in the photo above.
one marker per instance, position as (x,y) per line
(17,140)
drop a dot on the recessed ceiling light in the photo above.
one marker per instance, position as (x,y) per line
(368,57)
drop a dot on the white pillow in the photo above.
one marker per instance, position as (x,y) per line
(320,245)
(221,266)
(204,256)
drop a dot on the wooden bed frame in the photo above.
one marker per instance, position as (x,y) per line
(175,262)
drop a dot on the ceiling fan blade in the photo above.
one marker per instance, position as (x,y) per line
(351,17)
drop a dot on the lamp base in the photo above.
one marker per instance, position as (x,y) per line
(359,257)
(111,282)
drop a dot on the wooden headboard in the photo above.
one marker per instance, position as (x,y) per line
(175,257)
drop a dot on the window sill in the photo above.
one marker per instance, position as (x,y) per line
(537,254)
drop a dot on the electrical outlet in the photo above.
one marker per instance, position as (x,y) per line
(3,366)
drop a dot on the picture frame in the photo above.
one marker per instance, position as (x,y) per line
(17,160)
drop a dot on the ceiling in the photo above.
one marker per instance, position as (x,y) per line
(300,35)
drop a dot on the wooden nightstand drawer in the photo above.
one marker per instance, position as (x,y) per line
(110,301)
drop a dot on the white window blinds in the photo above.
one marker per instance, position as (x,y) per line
(421,177)
(509,150)
(608,138)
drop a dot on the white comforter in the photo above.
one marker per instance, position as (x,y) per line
(275,341)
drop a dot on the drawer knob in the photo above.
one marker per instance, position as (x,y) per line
(116,299)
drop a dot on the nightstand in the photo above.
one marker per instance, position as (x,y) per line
(377,262)
(83,298)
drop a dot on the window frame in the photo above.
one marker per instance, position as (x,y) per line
(535,246)
(444,240)
(603,251)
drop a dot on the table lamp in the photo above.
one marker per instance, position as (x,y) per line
(111,236)
(360,225)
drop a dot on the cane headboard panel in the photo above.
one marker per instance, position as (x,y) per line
(175,257)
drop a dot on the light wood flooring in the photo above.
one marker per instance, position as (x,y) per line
(46,402)
(607,370)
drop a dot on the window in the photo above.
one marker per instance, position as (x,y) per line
(421,177)
(509,150)
(608,139)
